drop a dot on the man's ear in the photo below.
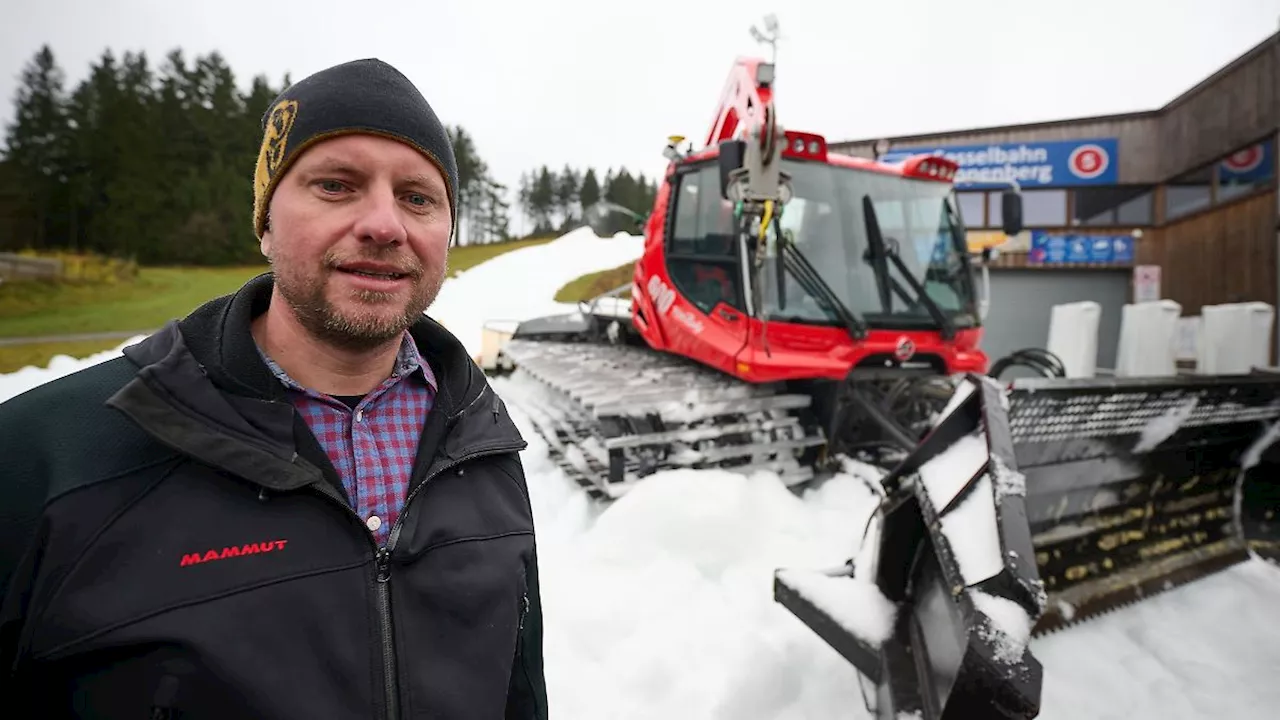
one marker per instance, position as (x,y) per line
(265,242)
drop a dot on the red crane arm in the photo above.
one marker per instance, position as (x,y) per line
(746,101)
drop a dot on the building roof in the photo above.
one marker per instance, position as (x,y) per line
(1199,87)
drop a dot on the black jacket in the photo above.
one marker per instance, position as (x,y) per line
(175,543)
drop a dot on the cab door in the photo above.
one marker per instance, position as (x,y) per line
(705,318)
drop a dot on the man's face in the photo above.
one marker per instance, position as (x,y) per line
(358,239)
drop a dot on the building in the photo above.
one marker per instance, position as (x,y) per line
(1178,202)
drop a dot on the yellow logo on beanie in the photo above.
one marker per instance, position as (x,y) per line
(275,139)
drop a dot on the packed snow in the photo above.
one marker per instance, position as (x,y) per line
(972,531)
(661,605)
(1008,481)
(857,604)
(948,474)
(1010,624)
(522,284)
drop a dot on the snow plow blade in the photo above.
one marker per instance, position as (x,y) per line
(1137,485)
(938,609)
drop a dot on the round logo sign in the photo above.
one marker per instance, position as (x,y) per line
(1088,161)
(905,349)
(1245,160)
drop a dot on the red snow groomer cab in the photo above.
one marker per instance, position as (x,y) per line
(794,309)
(851,263)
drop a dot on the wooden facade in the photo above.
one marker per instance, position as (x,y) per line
(1225,255)
(1239,105)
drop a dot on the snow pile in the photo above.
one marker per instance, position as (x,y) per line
(520,284)
(1010,624)
(662,605)
(1210,649)
(856,604)
(20,381)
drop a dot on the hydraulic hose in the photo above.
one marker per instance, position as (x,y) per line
(1038,359)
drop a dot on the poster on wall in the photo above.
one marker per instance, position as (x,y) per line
(1146,283)
(1061,163)
(1079,249)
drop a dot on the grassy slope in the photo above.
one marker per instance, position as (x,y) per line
(155,297)
(596,283)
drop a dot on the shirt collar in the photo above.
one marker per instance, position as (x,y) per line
(409,362)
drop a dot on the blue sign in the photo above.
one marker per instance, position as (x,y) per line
(1064,163)
(1079,249)
(1253,164)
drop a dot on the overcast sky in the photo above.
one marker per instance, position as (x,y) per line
(598,83)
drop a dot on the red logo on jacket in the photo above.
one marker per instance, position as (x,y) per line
(231,551)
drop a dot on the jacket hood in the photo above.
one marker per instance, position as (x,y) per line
(207,368)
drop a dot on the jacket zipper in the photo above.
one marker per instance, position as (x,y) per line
(383,563)
(388,642)
(382,559)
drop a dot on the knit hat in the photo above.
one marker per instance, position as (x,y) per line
(362,96)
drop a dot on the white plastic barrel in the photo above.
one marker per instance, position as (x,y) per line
(1235,338)
(1073,336)
(1148,339)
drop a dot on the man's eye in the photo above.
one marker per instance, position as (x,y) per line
(332,186)
(419,199)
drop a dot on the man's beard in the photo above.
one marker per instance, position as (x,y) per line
(356,329)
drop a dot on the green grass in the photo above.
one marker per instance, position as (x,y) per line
(156,296)
(152,299)
(590,285)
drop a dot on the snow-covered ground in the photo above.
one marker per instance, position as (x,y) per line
(661,605)
(522,283)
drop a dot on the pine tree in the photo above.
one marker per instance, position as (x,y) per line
(567,188)
(542,200)
(36,142)
(589,193)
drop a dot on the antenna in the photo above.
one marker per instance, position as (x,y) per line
(769,37)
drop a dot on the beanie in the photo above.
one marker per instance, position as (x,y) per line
(362,96)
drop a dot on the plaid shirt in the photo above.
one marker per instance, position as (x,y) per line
(373,446)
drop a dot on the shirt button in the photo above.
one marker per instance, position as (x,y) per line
(359,415)
(374,522)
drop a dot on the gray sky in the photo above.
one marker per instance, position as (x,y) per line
(603,84)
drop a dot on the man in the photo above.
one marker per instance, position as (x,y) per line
(301,501)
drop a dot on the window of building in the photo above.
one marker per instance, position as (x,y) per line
(1120,205)
(1188,193)
(1246,170)
(972,204)
(1040,208)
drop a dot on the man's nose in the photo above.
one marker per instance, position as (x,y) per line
(380,219)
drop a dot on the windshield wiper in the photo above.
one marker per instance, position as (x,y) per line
(880,251)
(812,282)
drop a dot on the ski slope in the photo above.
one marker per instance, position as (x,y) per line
(522,283)
(661,605)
